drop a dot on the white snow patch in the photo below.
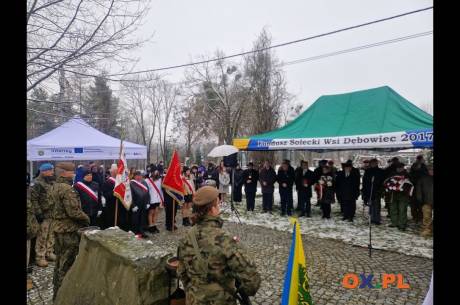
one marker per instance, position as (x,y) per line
(356,233)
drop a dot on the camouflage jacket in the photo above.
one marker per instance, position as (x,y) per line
(67,213)
(32,223)
(39,197)
(224,261)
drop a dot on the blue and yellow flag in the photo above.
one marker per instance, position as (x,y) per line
(296,290)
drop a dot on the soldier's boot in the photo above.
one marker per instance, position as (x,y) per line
(41,262)
(51,257)
(29,284)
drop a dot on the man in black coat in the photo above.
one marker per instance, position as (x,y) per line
(286,178)
(347,190)
(238,184)
(373,183)
(139,206)
(90,198)
(250,178)
(304,180)
(267,179)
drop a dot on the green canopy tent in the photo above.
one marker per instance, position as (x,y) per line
(378,119)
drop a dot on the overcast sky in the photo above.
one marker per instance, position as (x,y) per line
(186,29)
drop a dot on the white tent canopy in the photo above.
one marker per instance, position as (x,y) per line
(77,140)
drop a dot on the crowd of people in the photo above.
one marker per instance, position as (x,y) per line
(64,199)
(400,189)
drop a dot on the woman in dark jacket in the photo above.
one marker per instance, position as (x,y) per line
(267,178)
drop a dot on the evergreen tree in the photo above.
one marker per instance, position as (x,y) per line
(198,156)
(102,107)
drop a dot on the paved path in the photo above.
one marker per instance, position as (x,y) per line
(328,261)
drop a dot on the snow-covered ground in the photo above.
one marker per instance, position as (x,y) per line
(356,233)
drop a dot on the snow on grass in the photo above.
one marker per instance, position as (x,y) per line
(355,233)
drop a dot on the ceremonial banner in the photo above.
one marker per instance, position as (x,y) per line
(296,289)
(172,182)
(122,188)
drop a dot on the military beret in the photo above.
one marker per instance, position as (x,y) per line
(46,167)
(67,166)
(205,195)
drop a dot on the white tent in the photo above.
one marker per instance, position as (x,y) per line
(77,140)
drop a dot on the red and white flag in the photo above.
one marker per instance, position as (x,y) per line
(122,188)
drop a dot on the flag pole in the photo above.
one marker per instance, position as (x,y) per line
(116,201)
(173,207)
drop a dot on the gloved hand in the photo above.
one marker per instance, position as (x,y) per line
(99,213)
(103,201)
(135,209)
(147,206)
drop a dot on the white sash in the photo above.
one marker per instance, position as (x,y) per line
(149,180)
(87,190)
(140,185)
(111,179)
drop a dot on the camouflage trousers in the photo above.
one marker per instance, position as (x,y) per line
(66,251)
(45,240)
(427,224)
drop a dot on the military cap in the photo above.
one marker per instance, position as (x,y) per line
(46,167)
(373,161)
(67,166)
(205,195)
(395,159)
(137,173)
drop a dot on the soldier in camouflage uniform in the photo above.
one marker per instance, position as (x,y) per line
(32,230)
(44,246)
(211,263)
(68,217)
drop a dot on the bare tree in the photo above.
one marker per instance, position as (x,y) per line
(189,122)
(221,89)
(167,96)
(267,87)
(75,34)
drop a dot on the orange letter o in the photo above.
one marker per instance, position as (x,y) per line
(346,281)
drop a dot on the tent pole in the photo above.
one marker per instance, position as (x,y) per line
(31,170)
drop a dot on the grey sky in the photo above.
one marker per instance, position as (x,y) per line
(186,29)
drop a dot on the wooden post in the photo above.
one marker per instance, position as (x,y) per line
(116,212)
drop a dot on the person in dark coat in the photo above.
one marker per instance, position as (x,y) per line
(417,170)
(424,194)
(286,179)
(197,178)
(304,180)
(138,209)
(267,178)
(372,189)
(212,173)
(161,168)
(250,178)
(109,200)
(347,190)
(326,191)
(317,174)
(90,198)
(389,171)
(238,184)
